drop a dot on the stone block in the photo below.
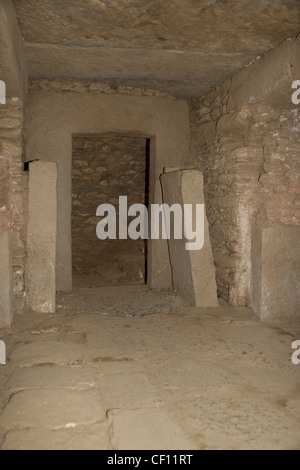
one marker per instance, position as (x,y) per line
(276,272)
(147,429)
(52,409)
(193,270)
(41,236)
(268,79)
(6,281)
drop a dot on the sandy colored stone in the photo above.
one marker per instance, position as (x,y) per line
(169,48)
(91,437)
(74,378)
(6,298)
(122,391)
(147,429)
(268,80)
(203,378)
(49,352)
(276,272)
(52,409)
(193,270)
(13,67)
(57,111)
(246,160)
(93,259)
(170,169)
(41,237)
(216,377)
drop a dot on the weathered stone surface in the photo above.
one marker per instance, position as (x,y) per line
(182,48)
(92,87)
(245,131)
(73,378)
(268,80)
(276,272)
(250,162)
(165,378)
(13,186)
(121,390)
(147,429)
(41,236)
(34,408)
(122,163)
(6,282)
(192,270)
(164,121)
(12,61)
(90,437)
(50,352)
(5,214)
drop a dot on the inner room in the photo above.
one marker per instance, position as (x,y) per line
(186,339)
(104,168)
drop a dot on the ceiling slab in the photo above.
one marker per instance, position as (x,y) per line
(183,47)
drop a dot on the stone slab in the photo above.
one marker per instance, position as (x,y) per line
(122,390)
(147,429)
(74,378)
(164,121)
(78,438)
(276,272)
(52,409)
(41,236)
(193,270)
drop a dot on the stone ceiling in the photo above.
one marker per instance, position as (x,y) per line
(183,47)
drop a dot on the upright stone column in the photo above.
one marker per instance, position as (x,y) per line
(41,236)
(6,282)
(275,293)
(193,271)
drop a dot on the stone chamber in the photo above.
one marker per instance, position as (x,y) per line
(123,344)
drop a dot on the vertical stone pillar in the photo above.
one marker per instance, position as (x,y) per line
(193,271)
(6,281)
(275,290)
(41,236)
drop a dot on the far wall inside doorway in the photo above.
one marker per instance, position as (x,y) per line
(104,168)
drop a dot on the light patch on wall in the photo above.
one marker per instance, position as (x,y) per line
(2,353)
(2,92)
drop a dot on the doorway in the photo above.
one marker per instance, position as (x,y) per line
(103,168)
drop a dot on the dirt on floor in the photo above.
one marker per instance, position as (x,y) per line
(132,368)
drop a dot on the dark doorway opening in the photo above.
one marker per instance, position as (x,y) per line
(104,168)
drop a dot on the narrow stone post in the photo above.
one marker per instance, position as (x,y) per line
(41,236)
(193,270)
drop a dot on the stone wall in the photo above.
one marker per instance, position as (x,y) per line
(67,108)
(13,189)
(249,154)
(5,222)
(103,169)
(13,180)
(94,87)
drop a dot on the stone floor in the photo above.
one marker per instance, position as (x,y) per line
(129,368)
